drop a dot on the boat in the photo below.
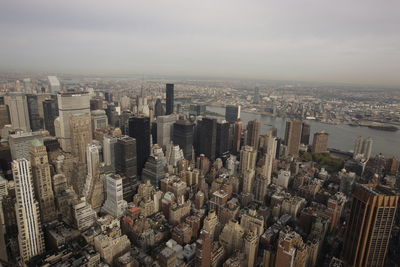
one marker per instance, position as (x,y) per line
(389,128)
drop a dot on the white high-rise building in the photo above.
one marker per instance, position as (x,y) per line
(21,142)
(115,204)
(84,215)
(93,172)
(54,84)
(164,129)
(70,104)
(109,143)
(30,234)
(363,148)
(19,114)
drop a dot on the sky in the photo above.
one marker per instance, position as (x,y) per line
(351,41)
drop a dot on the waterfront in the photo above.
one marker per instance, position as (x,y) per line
(340,136)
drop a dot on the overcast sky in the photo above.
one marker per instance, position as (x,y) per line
(354,41)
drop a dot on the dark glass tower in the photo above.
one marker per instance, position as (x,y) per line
(222,138)
(50,114)
(139,128)
(305,134)
(126,165)
(158,108)
(34,118)
(207,133)
(183,137)
(170,99)
(232,113)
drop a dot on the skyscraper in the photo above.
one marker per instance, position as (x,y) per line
(222,138)
(207,131)
(320,142)
(183,137)
(42,181)
(109,146)
(139,128)
(35,120)
(305,133)
(232,113)
(71,104)
(165,128)
(50,112)
(253,133)
(158,108)
(30,235)
(54,84)
(19,113)
(237,134)
(80,134)
(370,224)
(126,164)
(170,98)
(115,203)
(363,148)
(293,137)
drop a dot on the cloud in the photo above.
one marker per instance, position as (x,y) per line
(321,40)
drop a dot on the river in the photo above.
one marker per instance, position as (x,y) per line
(340,136)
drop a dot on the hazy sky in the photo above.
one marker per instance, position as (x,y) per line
(316,40)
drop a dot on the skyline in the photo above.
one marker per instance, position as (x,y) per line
(295,40)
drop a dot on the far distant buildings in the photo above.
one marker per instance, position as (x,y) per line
(362,148)
(320,142)
(232,113)
(170,98)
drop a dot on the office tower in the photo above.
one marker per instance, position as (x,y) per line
(207,131)
(154,170)
(174,155)
(248,158)
(305,133)
(108,97)
(253,133)
(126,164)
(4,117)
(30,235)
(263,177)
(363,148)
(54,84)
(112,115)
(139,128)
(370,224)
(320,142)
(42,181)
(96,103)
(115,203)
(232,113)
(170,98)
(292,137)
(27,85)
(109,146)
(50,112)
(71,104)
(251,246)
(99,120)
(237,135)
(158,108)
(165,128)
(93,188)
(35,120)
(80,135)
(222,138)
(197,110)
(204,249)
(19,113)
(20,143)
(183,137)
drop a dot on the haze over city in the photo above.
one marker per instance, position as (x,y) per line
(323,41)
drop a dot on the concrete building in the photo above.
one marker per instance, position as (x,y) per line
(42,181)
(110,248)
(291,251)
(83,214)
(54,84)
(253,133)
(293,137)
(109,146)
(320,142)
(165,126)
(251,246)
(115,203)
(362,148)
(30,235)
(231,237)
(99,120)
(81,135)
(21,142)
(19,113)
(70,104)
